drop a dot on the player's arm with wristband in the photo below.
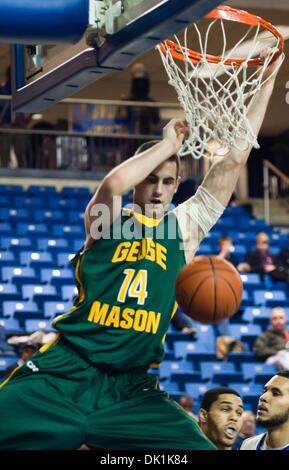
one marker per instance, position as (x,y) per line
(130,173)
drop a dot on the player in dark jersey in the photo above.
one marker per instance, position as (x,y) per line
(91,385)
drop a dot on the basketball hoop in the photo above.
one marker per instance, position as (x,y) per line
(215,90)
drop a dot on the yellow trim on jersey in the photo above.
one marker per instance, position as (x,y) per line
(50,343)
(81,294)
(9,376)
(143,219)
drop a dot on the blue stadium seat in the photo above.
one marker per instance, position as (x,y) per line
(6,230)
(35,325)
(75,217)
(21,309)
(250,393)
(48,191)
(64,204)
(220,372)
(75,191)
(251,281)
(266,297)
(8,258)
(11,215)
(57,277)
(197,390)
(173,336)
(52,309)
(28,202)
(170,387)
(258,315)
(40,293)
(246,333)
(194,351)
(246,300)
(48,216)
(259,371)
(32,230)
(36,259)
(69,292)
(11,189)
(205,333)
(6,361)
(204,249)
(167,368)
(11,326)
(239,358)
(64,259)
(68,231)
(9,292)
(5,201)
(15,244)
(77,244)
(169,353)
(53,245)
(18,275)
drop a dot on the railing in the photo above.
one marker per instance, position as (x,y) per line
(272,185)
(86,135)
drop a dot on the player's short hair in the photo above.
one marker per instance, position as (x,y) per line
(283,373)
(225,238)
(213,394)
(151,143)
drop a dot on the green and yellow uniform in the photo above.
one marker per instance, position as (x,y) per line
(92,385)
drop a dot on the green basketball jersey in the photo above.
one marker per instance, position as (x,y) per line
(126,293)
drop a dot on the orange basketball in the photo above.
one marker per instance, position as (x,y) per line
(209,289)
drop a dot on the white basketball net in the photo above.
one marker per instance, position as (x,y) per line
(216,108)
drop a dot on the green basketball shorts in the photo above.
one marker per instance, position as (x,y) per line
(59,401)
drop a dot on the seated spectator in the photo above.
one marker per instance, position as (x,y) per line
(271,345)
(226,250)
(220,416)
(184,323)
(27,352)
(247,430)
(260,261)
(187,403)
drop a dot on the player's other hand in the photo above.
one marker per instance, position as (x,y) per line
(275,64)
(176,131)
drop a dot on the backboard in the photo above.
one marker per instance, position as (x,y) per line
(43,74)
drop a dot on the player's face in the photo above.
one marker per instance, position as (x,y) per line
(273,406)
(224,420)
(154,194)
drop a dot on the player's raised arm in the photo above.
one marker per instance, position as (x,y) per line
(223,175)
(130,173)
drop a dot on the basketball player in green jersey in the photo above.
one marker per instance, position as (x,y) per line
(91,385)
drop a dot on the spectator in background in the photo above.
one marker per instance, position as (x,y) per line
(139,119)
(187,403)
(220,416)
(247,430)
(226,248)
(273,414)
(260,261)
(27,352)
(271,345)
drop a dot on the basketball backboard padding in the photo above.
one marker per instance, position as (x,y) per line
(116,53)
(43,21)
